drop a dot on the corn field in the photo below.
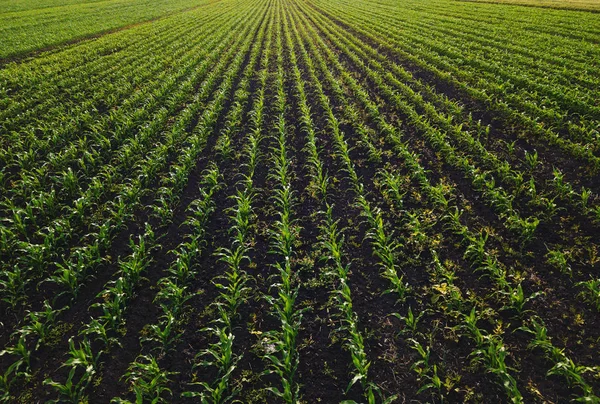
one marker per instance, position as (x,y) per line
(299,201)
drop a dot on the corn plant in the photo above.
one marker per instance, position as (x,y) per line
(559,260)
(591,292)
(40,324)
(517,298)
(83,365)
(491,353)
(22,363)
(410,320)
(425,371)
(563,365)
(148,381)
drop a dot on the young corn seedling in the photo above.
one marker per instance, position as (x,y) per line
(563,365)
(384,247)
(517,299)
(13,284)
(148,381)
(475,250)
(69,392)
(585,195)
(564,189)
(411,321)
(40,324)
(67,279)
(591,292)
(491,353)
(532,160)
(559,260)
(21,365)
(84,365)
(425,371)
(7,379)
(393,188)
(172,297)
(97,330)
(165,333)
(219,355)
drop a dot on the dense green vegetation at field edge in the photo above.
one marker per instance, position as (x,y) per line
(29,25)
(579,5)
